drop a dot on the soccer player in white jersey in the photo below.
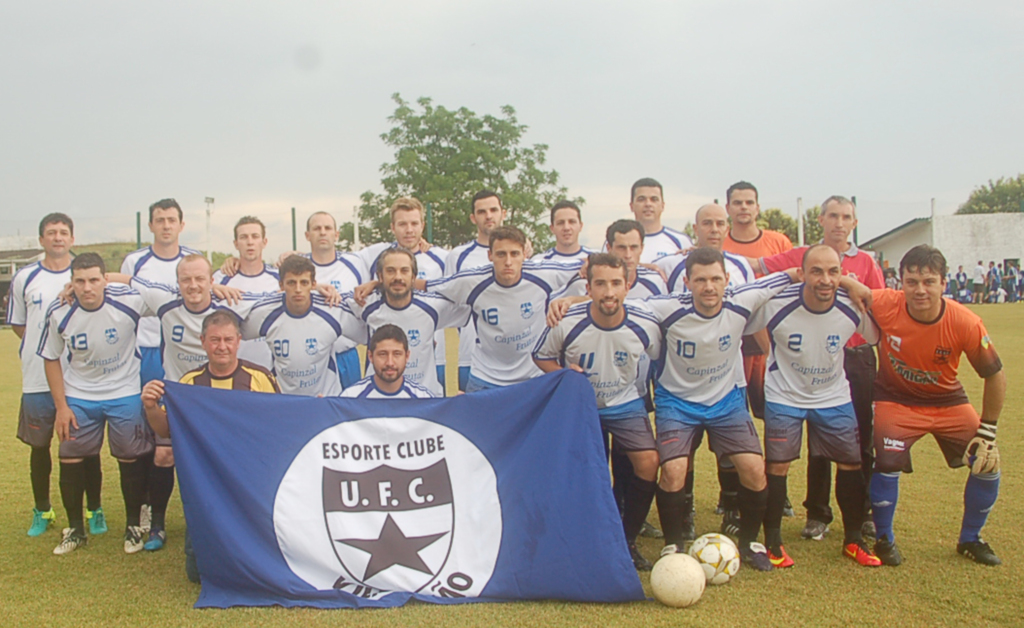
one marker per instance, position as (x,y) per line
(487,214)
(301,330)
(711,226)
(389,353)
(407,222)
(253,275)
(809,324)
(647,202)
(605,340)
(566,225)
(32,290)
(509,301)
(419,314)
(92,369)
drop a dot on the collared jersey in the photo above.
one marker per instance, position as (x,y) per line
(344,273)
(675,267)
(147,265)
(246,376)
(32,290)
(508,320)
(467,257)
(662,243)
(700,357)
(918,362)
(303,346)
(552,255)
(425,315)
(255,350)
(610,358)
(366,388)
(805,367)
(100,345)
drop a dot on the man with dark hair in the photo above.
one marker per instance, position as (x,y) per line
(647,202)
(978,286)
(605,340)
(92,369)
(388,352)
(32,290)
(917,392)
(566,225)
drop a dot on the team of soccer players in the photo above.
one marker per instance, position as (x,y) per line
(652,311)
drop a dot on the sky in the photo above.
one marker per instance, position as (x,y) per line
(263,106)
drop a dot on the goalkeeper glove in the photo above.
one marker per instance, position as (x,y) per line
(982,455)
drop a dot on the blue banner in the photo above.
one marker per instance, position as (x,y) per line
(340,503)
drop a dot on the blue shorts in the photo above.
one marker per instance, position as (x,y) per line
(441,380)
(629,424)
(348,367)
(463,378)
(152,366)
(831,433)
(681,425)
(475,384)
(35,419)
(130,436)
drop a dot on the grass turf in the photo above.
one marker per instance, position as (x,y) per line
(101,585)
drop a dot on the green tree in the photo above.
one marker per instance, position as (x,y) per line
(443,157)
(995,197)
(813,233)
(777,220)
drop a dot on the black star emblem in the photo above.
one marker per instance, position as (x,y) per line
(393,548)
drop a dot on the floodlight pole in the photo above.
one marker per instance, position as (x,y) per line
(294,241)
(853,199)
(799,221)
(355,228)
(209,211)
(138,230)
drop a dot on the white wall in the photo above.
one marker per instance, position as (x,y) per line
(893,248)
(989,237)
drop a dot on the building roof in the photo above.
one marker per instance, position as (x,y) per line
(20,255)
(891,232)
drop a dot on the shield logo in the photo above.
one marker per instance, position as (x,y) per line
(391,528)
(725,342)
(526,309)
(414,337)
(832,343)
(110,335)
(312,346)
(620,358)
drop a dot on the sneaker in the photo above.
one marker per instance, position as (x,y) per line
(133,539)
(73,539)
(860,553)
(145,517)
(731,523)
(888,553)
(650,532)
(41,521)
(97,521)
(156,541)
(787,510)
(867,530)
(814,530)
(641,563)
(979,551)
(671,548)
(755,556)
(779,558)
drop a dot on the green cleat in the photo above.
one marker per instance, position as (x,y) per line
(97,521)
(41,521)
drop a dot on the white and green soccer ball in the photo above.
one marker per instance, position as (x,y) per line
(718,557)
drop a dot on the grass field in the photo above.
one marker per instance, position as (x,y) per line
(100,585)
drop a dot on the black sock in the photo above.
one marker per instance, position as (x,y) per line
(147,459)
(729,480)
(161,485)
(72,488)
(673,507)
(688,483)
(752,505)
(622,471)
(850,492)
(773,510)
(93,482)
(819,487)
(639,495)
(39,468)
(133,486)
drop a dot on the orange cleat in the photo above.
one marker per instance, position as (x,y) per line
(860,553)
(780,560)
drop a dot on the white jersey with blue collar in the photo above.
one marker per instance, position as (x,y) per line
(426,314)
(303,346)
(33,289)
(508,319)
(700,358)
(366,388)
(611,359)
(147,265)
(552,255)
(805,367)
(97,348)
(665,242)
(467,256)
(739,270)
(344,273)
(255,350)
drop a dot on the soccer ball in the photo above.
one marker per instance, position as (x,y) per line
(718,557)
(677,580)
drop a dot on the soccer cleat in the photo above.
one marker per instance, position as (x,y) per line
(145,517)
(888,553)
(860,553)
(780,559)
(979,551)
(720,509)
(671,548)
(73,539)
(867,529)
(814,530)
(41,521)
(755,556)
(787,510)
(731,523)
(641,563)
(133,539)
(156,541)
(97,521)
(650,532)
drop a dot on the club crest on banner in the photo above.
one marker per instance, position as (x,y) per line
(376,506)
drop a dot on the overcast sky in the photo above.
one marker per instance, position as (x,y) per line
(109,106)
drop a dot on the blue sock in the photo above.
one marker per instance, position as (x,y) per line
(980,495)
(885,490)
